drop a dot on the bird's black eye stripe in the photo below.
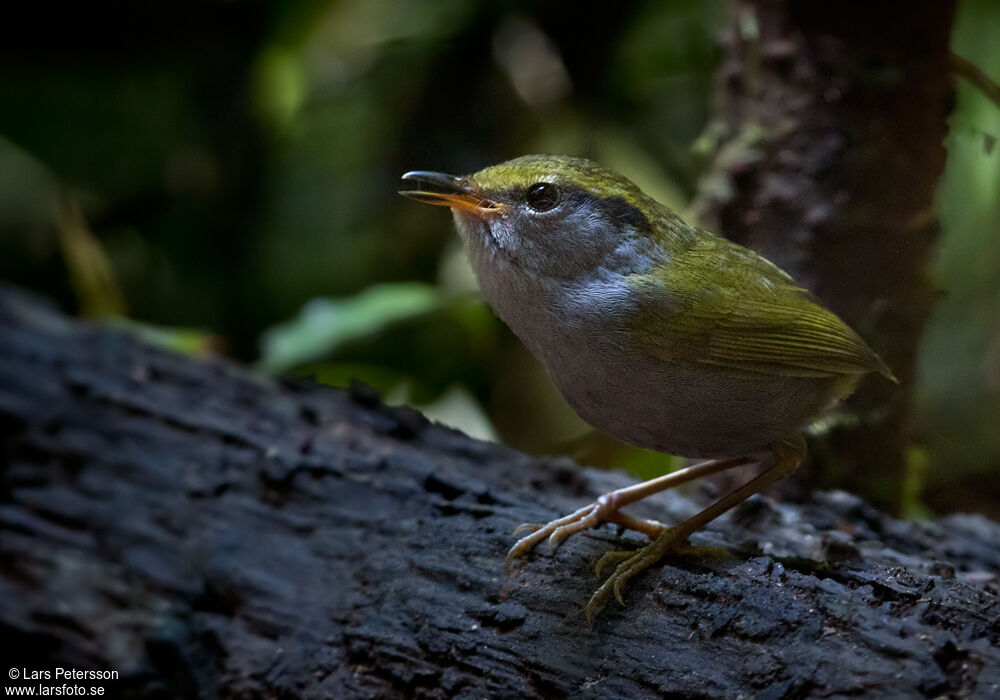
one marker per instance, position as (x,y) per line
(542,196)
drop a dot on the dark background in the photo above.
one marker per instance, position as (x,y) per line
(222,176)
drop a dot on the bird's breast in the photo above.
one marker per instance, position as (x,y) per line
(581,332)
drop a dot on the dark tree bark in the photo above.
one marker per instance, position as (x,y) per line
(210,533)
(831,119)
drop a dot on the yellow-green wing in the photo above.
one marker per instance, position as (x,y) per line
(721,304)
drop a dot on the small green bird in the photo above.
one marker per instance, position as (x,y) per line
(655,331)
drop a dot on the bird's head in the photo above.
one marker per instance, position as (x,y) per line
(557,216)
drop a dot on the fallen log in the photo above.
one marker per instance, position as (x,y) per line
(207,532)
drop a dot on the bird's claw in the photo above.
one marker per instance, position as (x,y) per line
(527,527)
(611,557)
(629,564)
(556,531)
(564,532)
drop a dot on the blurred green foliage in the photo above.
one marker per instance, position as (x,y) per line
(325,325)
(225,175)
(959,388)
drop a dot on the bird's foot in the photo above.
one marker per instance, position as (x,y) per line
(604,509)
(555,531)
(630,563)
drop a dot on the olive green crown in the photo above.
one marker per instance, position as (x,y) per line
(579,172)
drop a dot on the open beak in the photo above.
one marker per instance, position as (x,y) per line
(447,191)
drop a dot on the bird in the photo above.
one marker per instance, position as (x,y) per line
(658,332)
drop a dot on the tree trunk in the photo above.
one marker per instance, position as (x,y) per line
(830,125)
(207,532)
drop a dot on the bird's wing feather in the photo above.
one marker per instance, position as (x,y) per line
(749,316)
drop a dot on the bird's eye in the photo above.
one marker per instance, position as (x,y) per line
(542,196)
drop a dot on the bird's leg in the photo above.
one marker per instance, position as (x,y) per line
(650,528)
(605,508)
(786,457)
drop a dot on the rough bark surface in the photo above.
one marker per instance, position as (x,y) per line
(831,122)
(211,533)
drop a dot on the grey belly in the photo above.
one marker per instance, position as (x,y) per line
(687,411)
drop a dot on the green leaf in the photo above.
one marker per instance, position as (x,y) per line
(187,341)
(323,325)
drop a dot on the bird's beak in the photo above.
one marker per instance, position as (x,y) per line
(447,191)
